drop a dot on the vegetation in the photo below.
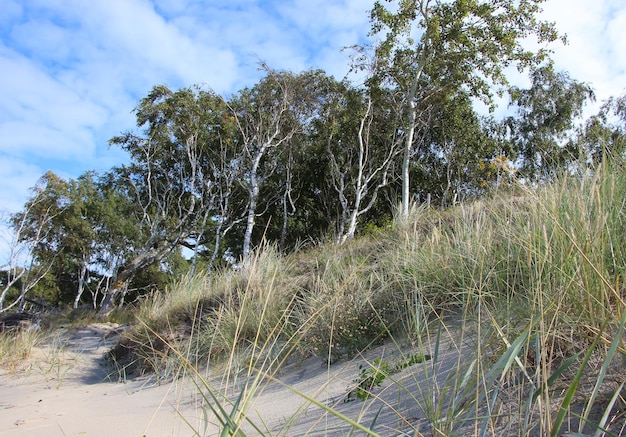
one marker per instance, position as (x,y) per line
(262,228)
(527,283)
(373,376)
(16,348)
(300,156)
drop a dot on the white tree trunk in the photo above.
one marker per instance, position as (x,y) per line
(253,198)
(412,123)
(247,238)
(369,179)
(406,159)
(81,281)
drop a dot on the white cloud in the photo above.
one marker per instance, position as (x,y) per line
(326,28)
(17,177)
(596,52)
(133,33)
(42,116)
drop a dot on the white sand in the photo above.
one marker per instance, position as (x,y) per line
(77,398)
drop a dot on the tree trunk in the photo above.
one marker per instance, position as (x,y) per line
(286,201)
(283,232)
(196,247)
(81,283)
(253,193)
(412,109)
(247,238)
(349,234)
(406,159)
(128,272)
(113,291)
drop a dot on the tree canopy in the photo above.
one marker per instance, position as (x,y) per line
(300,157)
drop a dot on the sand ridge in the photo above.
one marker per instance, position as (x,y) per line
(88,399)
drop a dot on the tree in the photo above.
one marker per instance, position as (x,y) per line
(362,143)
(457,146)
(432,45)
(545,121)
(268,116)
(603,135)
(168,185)
(33,250)
(78,230)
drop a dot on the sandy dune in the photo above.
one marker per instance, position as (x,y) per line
(79,398)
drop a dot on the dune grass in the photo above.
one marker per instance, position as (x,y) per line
(527,286)
(16,348)
(36,352)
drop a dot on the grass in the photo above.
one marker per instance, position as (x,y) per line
(16,347)
(37,351)
(55,361)
(518,300)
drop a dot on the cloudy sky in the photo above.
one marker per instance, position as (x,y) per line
(71,71)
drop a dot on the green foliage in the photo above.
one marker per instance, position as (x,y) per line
(546,116)
(375,373)
(299,156)
(369,378)
(603,136)
(119,233)
(462,47)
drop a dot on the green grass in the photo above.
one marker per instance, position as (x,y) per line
(528,285)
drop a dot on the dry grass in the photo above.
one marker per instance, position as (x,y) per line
(16,347)
(534,279)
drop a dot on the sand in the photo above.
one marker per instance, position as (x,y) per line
(74,393)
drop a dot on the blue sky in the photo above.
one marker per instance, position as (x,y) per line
(72,70)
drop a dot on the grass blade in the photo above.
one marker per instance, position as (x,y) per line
(608,409)
(562,368)
(607,361)
(569,394)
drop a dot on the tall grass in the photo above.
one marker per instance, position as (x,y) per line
(525,290)
(16,348)
(222,316)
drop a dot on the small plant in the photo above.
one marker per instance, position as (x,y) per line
(56,361)
(369,378)
(374,375)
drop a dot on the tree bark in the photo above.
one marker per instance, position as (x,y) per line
(81,282)
(412,124)
(128,272)
(253,197)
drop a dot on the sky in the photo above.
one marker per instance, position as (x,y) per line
(71,71)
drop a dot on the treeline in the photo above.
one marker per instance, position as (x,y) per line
(302,156)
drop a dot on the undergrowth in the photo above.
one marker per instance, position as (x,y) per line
(527,286)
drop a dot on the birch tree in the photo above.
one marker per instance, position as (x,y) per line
(268,116)
(432,45)
(32,251)
(603,136)
(545,121)
(362,143)
(167,183)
